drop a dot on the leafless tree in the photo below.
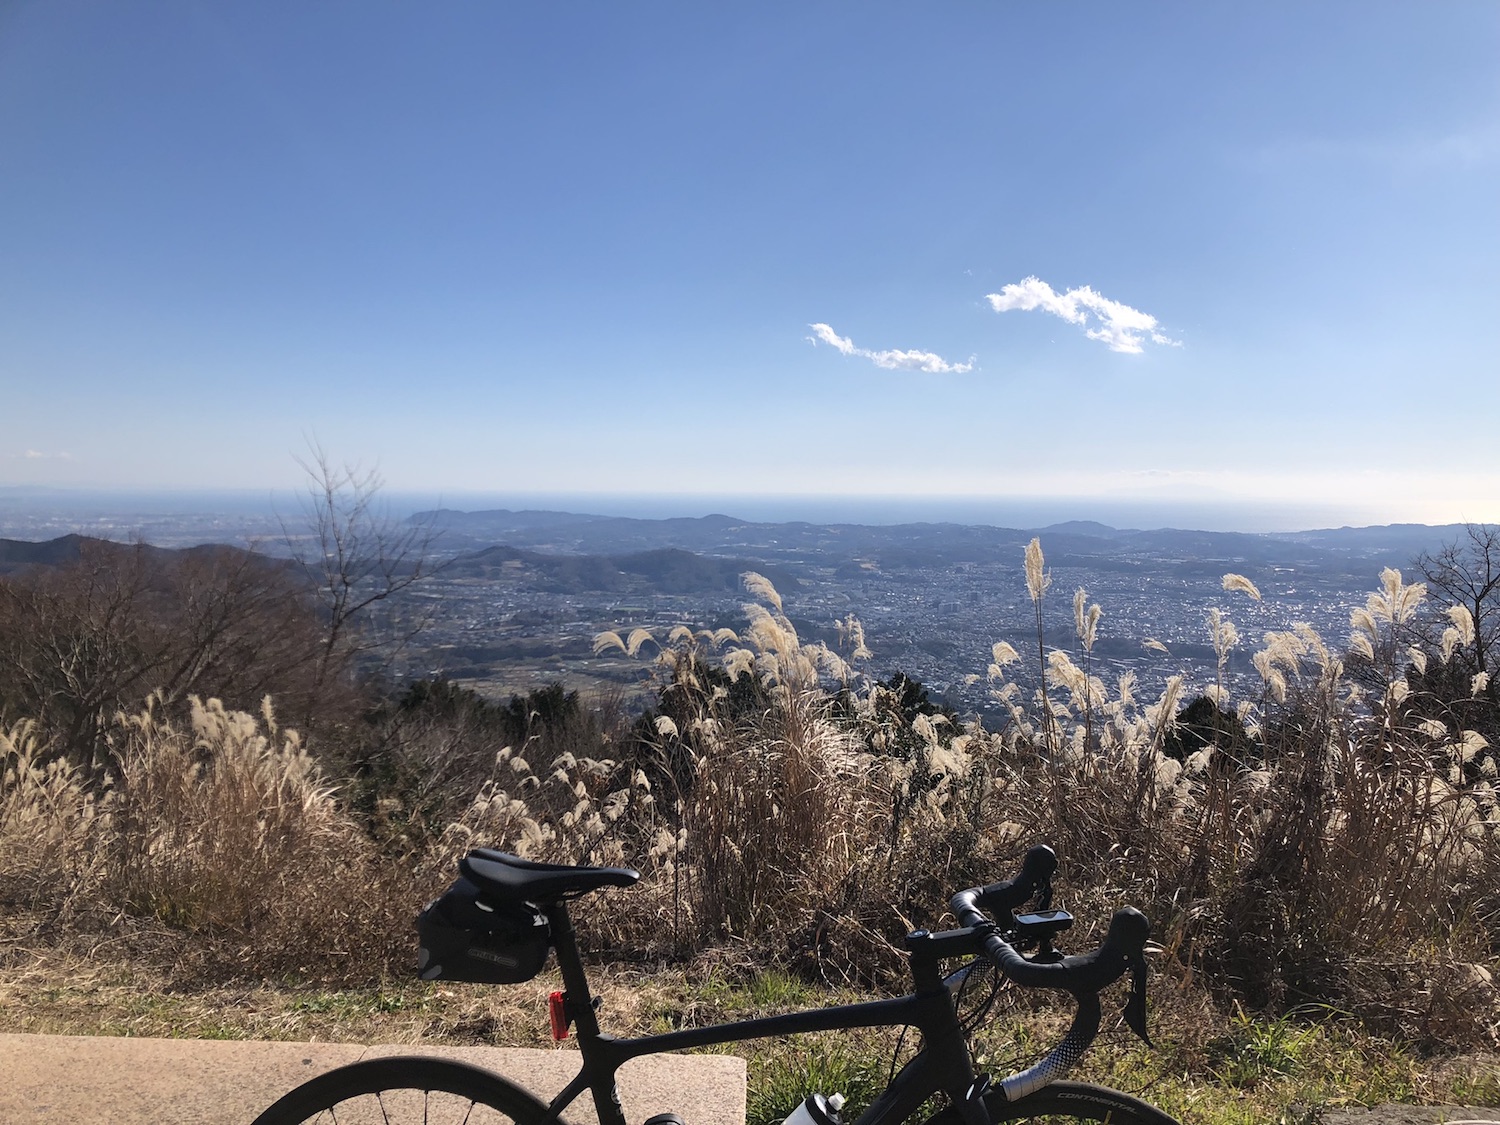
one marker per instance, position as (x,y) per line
(1458,688)
(356,557)
(82,641)
(1466,572)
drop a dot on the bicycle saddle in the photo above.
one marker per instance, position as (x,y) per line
(510,876)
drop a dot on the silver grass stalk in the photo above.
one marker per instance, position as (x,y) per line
(1309,637)
(607,640)
(1241,584)
(1450,642)
(1091,627)
(1397,601)
(1004,654)
(1037,579)
(759,586)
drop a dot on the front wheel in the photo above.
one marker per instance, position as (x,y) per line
(1060,1103)
(406,1091)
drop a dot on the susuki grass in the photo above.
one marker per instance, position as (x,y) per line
(1333,845)
(224,827)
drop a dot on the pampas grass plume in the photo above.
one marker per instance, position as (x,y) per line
(1242,584)
(1037,579)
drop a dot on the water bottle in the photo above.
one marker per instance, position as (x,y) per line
(817,1110)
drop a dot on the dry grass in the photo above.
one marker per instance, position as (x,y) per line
(225,829)
(1341,850)
(49,822)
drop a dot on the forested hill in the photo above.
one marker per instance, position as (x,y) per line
(19,555)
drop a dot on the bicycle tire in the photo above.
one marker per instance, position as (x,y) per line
(1061,1103)
(406,1089)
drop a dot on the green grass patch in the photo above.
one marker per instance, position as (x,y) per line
(786,1071)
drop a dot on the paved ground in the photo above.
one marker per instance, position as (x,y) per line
(55,1079)
(47,1079)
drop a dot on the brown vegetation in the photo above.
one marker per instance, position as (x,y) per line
(80,642)
(1329,842)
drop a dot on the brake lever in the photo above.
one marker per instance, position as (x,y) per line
(1135,1003)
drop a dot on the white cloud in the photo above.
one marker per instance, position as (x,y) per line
(1121,327)
(893,360)
(38,455)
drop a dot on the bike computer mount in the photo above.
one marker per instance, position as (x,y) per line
(1036,929)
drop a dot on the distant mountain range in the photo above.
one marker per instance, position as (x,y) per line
(915,545)
(567,552)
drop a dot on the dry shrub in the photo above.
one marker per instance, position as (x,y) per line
(1309,839)
(1323,838)
(48,822)
(781,801)
(773,820)
(229,828)
(84,640)
(439,745)
(210,820)
(226,830)
(1352,847)
(777,809)
(753,822)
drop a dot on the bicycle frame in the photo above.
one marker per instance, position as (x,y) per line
(943,1064)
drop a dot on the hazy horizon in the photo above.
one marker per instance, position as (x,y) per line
(1012,512)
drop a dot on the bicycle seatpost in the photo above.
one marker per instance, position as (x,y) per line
(578,1002)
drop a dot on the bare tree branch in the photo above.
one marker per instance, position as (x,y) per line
(356,557)
(1466,572)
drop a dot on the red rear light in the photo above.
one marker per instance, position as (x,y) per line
(558,1011)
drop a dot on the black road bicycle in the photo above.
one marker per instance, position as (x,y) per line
(497,923)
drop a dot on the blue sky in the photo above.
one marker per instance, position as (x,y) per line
(586,247)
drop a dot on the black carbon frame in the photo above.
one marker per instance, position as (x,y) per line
(943,1064)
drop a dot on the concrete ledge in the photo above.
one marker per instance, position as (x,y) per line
(117,1081)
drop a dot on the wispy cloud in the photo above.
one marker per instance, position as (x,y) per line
(893,360)
(1121,327)
(38,455)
